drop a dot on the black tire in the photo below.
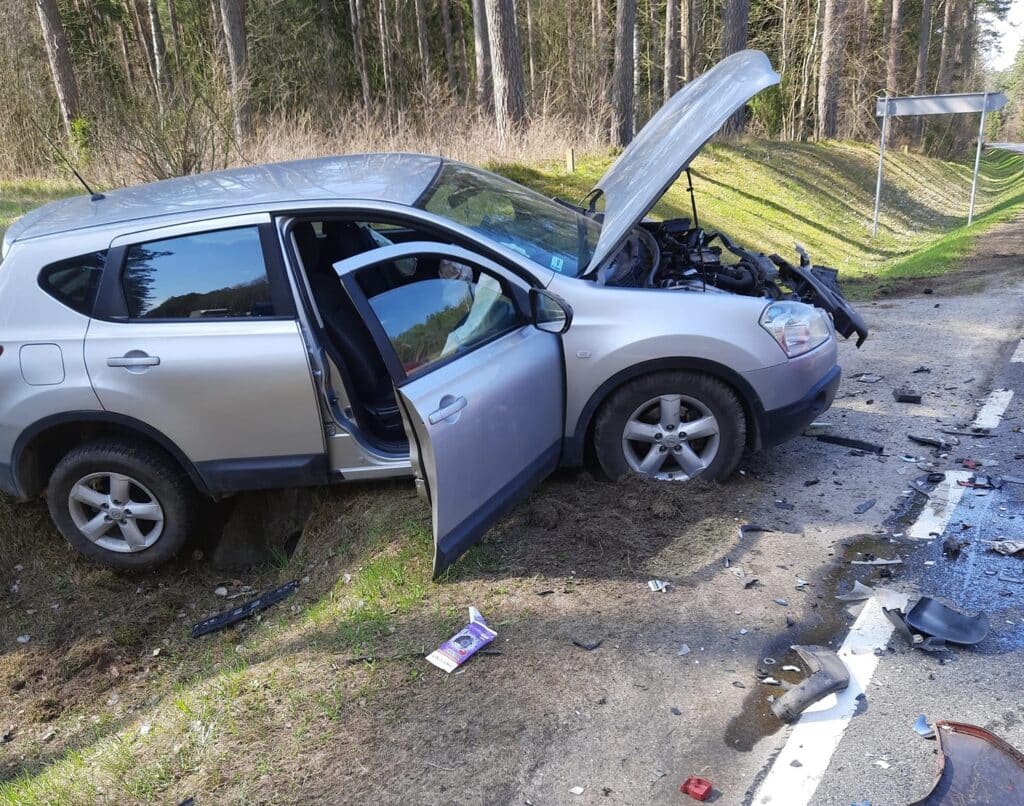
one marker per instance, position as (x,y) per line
(707,390)
(162,478)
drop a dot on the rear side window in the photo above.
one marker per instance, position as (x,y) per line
(74,281)
(219,275)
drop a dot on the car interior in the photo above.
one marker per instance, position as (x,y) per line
(320,244)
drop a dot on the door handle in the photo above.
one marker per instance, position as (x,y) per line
(134,359)
(449,406)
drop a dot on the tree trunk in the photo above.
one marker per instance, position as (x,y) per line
(671,77)
(233,14)
(327,28)
(156,30)
(921,77)
(507,68)
(463,62)
(895,53)
(529,48)
(622,74)
(449,47)
(138,14)
(385,58)
(356,13)
(944,79)
(482,46)
(422,40)
(735,23)
(59,55)
(172,20)
(830,71)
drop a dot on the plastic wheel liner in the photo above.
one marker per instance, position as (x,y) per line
(976,768)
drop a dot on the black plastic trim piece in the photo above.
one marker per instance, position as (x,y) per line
(780,425)
(264,472)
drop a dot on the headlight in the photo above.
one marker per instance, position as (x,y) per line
(798,328)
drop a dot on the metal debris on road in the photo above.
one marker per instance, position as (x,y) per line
(867,377)
(858,593)
(924,730)
(460,647)
(828,675)
(860,509)
(222,620)
(904,395)
(658,585)
(877,561)
(856,444)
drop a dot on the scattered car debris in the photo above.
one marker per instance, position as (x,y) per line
(867,377)
(921,369)
(684,650)
(872,560)
(658,585)
(23,639)
(960,432)
(934,442)
(784,504)
(856,444)
(221,591)
(576,790)
(460,647)
(1005,577)
(696,788)
(801,583)
(929,624)
(675,711)
(781,602)
(768,661)
(811,482)
(590,646)
(924,730)
(981,482)
(860,509)
(828,675)
(904,395)
(771,681)
(1012,480)
(790,668)
(882,764)
(229,617)
(747,528)
(953,546)
(817,427)
(975,766)
(750,583)
(858,593)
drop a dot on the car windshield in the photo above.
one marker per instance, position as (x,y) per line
(554,235)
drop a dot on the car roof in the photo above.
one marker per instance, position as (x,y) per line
(394,178)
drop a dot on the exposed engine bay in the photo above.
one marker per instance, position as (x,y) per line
(675,255)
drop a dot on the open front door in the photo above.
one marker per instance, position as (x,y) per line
(480,387)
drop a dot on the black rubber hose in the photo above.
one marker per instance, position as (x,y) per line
(744,283)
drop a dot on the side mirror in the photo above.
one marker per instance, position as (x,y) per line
(549,312)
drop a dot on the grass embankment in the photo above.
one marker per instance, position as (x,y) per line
(19,196)
(767,195)
(110,700)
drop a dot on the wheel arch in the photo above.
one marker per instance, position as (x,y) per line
(574,447)
(41,446)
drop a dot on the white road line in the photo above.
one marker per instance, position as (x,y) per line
(1018,354)
(814,739)
(939,508)
(991,413)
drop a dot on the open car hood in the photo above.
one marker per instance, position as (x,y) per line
(670,140)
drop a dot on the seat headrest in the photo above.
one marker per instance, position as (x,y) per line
(308,244)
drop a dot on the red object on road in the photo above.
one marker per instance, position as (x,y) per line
(696,788)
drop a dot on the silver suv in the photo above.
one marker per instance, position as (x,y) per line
(385,315)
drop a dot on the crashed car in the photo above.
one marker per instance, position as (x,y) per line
(384,315)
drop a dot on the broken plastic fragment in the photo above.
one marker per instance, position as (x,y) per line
(858,593)
(1007,547)
(828,675)
(930,617)
(877,561)
(924,730)
(576,790)
(658,585)
(860,509)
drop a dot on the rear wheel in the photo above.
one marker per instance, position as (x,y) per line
(671,426)
(126,506)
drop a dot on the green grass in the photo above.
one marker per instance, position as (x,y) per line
(19,196)
(767,195)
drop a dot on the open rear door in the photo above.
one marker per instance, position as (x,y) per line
(481,388)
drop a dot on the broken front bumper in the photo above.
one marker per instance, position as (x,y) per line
(778,425)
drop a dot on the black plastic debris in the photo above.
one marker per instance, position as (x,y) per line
(828,675)
(976,767)
(856,444)
(747,528)
(934,442)
(590,646)
(952,547)
(929,624)
(222,620)
(921,369)
(904,395)
(858,593)
(860,509)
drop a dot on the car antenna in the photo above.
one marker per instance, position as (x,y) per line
(693,198)
(94,196)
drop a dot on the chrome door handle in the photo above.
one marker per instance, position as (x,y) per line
(449,406)
(134,361)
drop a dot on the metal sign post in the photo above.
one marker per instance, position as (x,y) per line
(950,104)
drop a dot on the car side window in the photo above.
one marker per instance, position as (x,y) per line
(219,274)
(75,281)
(450,311)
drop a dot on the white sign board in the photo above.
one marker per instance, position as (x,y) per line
(954,104)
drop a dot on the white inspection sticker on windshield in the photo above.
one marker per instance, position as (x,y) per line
(557,263)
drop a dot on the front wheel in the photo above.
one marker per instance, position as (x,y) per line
(129,507)
(671,426)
